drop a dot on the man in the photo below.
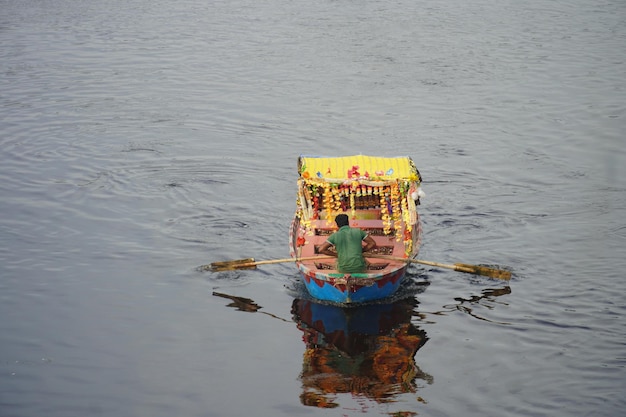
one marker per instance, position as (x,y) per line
(348,244)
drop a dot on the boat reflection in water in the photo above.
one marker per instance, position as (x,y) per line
(366,351)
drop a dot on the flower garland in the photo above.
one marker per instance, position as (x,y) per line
(408,226)
(384,211)
(303,212)
(396,213)
(318,199)
(337,203)
(408,241)
(406,215)
(352,209)
(316,202)
(328,203)
(356,192)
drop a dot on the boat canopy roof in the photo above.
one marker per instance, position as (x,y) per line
(359,168)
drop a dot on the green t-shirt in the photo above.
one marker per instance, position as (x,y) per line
(347,242)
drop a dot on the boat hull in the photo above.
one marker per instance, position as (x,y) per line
(351,288)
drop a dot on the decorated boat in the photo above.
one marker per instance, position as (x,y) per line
(380,196)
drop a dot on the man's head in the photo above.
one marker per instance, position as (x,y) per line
(342,220)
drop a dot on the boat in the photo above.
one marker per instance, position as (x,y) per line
(380,195)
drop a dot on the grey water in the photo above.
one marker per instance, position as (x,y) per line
(142,139)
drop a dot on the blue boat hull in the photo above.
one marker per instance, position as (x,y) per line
(351,288)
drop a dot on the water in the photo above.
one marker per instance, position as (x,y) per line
(140,140)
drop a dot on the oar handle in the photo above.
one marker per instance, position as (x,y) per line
(470,269)
(278,261)
(251,263)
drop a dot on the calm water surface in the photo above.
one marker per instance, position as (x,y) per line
(140,140)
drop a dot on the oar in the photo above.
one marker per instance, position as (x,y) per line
(470,269)
(250,263)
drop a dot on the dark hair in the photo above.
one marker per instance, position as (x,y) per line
(342,220)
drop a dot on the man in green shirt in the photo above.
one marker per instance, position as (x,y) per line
(348,243)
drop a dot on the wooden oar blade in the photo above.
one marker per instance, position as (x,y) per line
(229,265)
(485,271)
(235,261)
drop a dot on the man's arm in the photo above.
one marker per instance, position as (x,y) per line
(325,249)
(370,243)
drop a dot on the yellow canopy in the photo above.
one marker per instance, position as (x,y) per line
(358,167)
